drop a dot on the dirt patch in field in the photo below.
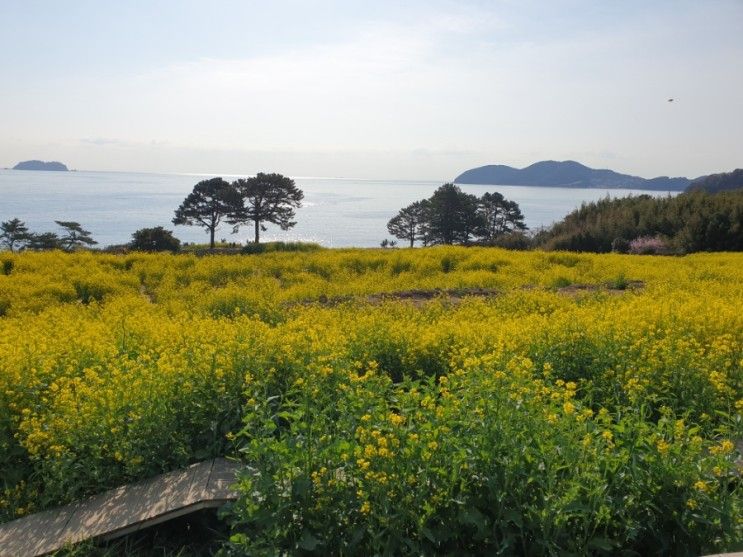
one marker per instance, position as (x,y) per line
(149,296)
(420,297)
(575,289)
(416,297)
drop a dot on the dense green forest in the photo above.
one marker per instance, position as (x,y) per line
(718,182)
(694,221)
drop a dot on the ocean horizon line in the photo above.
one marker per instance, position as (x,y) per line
(237,175)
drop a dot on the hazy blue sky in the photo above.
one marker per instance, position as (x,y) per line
(372,89)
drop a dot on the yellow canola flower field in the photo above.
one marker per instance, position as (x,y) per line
(388,387)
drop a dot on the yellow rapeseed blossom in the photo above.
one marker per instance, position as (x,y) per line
(396,419)
(725,447)
(110,361)
(662,446)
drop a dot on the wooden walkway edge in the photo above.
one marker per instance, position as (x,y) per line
(123,510)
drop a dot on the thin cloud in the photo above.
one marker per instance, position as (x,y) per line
(426,96)
(100,141)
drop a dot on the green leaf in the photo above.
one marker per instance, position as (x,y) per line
(308,542)
(601,543)
(429,535)
(474,517)
(302,487)
(513,516)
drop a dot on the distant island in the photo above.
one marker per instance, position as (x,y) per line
(41,165)
(566,174)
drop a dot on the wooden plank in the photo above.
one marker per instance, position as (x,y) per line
(36,534)
(223,475)
(123,510)
(195,490)
(132,504)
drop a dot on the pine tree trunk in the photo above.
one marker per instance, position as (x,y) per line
(257,231)
(211,237)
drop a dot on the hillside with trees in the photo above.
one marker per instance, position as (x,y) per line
(714,183)
(690,222)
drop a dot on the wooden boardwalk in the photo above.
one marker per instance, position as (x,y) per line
(122,510)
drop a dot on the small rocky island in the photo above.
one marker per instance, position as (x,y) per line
(41,165)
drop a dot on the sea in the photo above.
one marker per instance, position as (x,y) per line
(336,212)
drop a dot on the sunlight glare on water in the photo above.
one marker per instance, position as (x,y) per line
(337,212)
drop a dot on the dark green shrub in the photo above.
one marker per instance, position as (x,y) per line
(565,259)
(8,266)
(512,241)
(154,239)
(620,282)
(400,265)
(252,248)
(88,291)
(620,245)
(561,282)
(448,264)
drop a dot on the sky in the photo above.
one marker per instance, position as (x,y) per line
(380,90)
